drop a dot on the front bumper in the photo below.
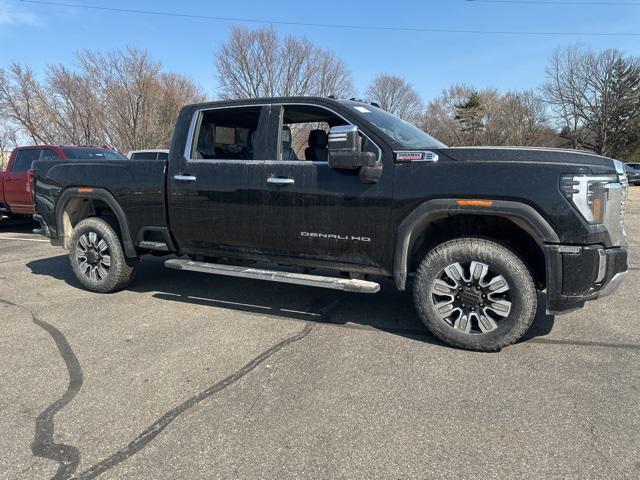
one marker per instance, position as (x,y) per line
(577,274)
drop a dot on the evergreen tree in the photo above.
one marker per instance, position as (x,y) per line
(470,114)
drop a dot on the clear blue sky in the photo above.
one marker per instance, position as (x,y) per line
(39,35)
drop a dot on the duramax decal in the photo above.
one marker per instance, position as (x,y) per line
(409,156)
(333,236)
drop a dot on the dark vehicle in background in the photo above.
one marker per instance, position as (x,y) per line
(633,173)
(323,183)
(16,197)
(155,154)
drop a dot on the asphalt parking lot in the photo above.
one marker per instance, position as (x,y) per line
(190,376)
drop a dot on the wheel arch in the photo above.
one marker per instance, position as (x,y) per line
(76,204)
(521,217)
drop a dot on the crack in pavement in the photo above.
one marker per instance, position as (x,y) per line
(68,456)
(43,446)
(153,430)
(595,439)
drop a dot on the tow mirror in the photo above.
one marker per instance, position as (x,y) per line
(345,153)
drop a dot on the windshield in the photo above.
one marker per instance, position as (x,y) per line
(404,134)
(91,154)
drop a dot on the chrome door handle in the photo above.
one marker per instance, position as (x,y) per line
(184,178)
(281,180)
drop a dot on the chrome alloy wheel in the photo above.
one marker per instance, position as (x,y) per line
(92,254)
(470,297)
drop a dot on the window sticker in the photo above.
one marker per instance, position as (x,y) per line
(362,109)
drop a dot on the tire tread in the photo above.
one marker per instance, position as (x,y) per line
(443,331)
(122,270)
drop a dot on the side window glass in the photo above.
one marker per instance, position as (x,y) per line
(24,159)
(144,156)
(163,156)
(304,132)
(48,154)
(228,134)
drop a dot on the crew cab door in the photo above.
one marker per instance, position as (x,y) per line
(16,195)
(211,208)
(311,211)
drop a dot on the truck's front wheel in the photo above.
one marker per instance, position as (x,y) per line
(475,293)
(97,257)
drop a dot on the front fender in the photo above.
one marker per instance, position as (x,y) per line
(524,216)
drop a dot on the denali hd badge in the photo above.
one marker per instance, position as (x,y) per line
(335,237)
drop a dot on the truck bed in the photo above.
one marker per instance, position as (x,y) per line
(139,188)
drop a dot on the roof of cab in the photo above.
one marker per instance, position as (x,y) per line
(275,100)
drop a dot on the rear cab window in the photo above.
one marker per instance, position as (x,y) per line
(48,154)
(144,156)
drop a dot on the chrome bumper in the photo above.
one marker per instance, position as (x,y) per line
(613,285)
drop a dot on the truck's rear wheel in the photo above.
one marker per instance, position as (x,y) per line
(476,294)
(97,257)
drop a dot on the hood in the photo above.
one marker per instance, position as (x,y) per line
(530,155)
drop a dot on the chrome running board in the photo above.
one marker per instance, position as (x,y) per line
(344,284)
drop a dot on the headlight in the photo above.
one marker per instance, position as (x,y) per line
(590,194)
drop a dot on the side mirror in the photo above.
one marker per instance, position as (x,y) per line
(344,148)
(345,153)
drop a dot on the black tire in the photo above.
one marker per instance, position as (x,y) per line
(517,304)
(93,271)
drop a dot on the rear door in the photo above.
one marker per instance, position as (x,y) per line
(212,210)
(15,181)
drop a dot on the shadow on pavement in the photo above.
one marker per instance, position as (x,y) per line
(17,225)
(389,310)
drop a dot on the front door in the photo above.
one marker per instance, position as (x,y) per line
(312,211)
(211,207)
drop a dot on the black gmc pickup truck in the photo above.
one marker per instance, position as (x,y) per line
(343,186)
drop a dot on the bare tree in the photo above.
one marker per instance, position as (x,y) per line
(120,98)
(127,82)
(8,141)
(395,95)
(72,108)
(21,98)
(519,118)
(462,115)
(259,63)
(561,92)
(595,97)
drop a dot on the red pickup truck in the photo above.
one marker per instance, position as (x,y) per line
(15,193)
